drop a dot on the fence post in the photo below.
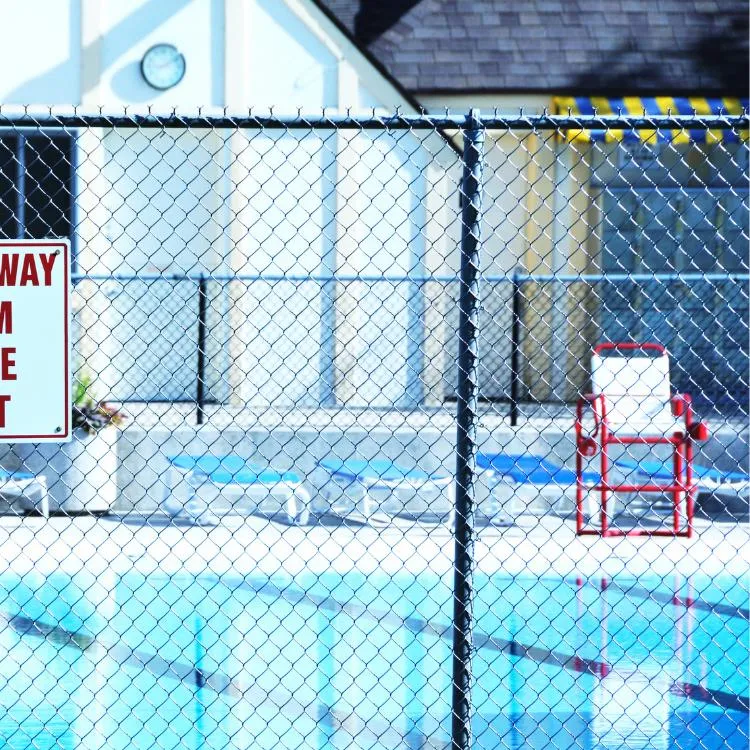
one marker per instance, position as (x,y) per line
(466,418)
(515,348)
(200,386)
(21,186)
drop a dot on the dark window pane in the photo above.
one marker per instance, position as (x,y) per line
(48,187)
(619,325)
(657,217)
(620,210)
(8,192)
(619,255)
(735,205)
(734,231)
(698,214)
(735,258)
(700,252)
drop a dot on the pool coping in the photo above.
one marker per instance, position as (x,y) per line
(244,545)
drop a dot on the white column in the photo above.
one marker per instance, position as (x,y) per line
(558,262)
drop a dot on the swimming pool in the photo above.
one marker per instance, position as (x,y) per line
(360,661)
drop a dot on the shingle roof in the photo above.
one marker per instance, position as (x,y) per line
(645,47)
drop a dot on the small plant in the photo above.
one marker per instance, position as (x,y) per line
(89,414)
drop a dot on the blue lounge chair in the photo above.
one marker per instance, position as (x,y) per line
(204,487)
(531,469)
(517,479)
(708,479)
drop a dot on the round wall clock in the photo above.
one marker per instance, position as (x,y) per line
(163,66)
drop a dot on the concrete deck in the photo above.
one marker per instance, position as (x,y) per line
(243,545)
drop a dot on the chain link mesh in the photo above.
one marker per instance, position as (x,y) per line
(394,460)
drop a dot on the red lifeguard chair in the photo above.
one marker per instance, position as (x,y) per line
(632,404)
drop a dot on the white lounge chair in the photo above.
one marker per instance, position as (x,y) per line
(203,488)
(24,488)
(382,486)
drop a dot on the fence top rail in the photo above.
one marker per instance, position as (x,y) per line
(414,278)
(369,121)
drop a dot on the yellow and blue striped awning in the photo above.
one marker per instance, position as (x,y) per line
(656,105)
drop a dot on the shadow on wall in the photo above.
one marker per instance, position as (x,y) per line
(129,85)
(47,87)
(120,38)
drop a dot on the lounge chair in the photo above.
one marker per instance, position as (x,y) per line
(380,486)
(632,404)
(24,488)
(203,488)
(516,481)
(707,479)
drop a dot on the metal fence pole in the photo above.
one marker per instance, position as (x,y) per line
(21,187)
(200,387)
(466,418)
(515,349)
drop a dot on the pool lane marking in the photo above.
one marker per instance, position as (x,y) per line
(222,683)
(191,677)
(185,673)
(570,662)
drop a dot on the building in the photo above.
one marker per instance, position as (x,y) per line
(141,203)
(246,205)
(608,55)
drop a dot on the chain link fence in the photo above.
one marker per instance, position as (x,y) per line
(380,424)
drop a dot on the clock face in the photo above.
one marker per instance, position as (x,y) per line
(163,66)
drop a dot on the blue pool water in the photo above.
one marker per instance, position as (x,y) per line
(365,662)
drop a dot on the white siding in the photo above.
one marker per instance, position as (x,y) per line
(303,76)
(162,215)
(381,234)
(129,29)
(283,203)
(41,52)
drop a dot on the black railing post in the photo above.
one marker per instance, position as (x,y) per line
(200,386)
(466,433)
(515,349)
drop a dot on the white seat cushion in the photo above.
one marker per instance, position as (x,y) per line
(636,392)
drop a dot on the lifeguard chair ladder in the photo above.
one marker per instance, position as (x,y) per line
(632,404)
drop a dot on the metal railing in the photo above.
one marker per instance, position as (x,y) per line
(720,397)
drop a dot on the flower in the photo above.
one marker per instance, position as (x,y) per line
(89,414)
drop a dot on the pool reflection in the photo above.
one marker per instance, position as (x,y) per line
(318,661)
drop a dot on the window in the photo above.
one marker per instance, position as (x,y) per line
(36,185)
(638,155)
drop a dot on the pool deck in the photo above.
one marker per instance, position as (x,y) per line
(244,545)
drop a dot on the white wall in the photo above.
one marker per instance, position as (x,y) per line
(73,52)
(239,54)
(162,214)
(127,30)
(284,206)
(381,234)
(40,56)
(289,66)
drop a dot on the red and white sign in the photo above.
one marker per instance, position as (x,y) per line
(35,341)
